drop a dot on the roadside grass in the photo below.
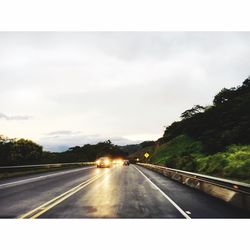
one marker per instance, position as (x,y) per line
(181,146)
(186,153)
(234,163)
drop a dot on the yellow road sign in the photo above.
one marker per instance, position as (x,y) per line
(146,155)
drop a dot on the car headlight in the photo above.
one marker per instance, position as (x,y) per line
(97,162)
(106,162)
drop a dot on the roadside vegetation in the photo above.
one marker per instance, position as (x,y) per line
(212,140)
(21,152)
(187,154)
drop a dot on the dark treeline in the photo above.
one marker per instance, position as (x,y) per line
(15,152)
(22,151)
(220,125)
(130,149)
(87,152)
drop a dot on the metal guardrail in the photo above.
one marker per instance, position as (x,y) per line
(234,192)
(48,165)
(15,171)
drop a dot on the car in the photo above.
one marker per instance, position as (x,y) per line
(118,162)
(126,163)
(103,162)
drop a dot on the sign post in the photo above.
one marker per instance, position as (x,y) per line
(146,155)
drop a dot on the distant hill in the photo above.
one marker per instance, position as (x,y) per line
(132,148)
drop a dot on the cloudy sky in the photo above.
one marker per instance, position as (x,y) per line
(65,89)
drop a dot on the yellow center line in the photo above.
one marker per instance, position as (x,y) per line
(51,203)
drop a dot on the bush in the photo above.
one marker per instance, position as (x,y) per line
(233,163)
(212,165)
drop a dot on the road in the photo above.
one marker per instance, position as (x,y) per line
(119,192)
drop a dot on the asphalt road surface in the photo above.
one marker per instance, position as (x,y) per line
(117,192)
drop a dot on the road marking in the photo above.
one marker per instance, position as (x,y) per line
(55,201)
(168,198)
(42,177)
(188,212)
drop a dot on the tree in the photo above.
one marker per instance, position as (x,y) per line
(224,95)
(225,123)
(147,144)
(191,112)
(14,152)
(25,151)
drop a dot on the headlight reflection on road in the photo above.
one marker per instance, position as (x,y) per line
(106,181)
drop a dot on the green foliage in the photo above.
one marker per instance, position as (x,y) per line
(92,152)
(225,123)
(14,152)
(211,165)
(178,147)
(147,144)
(233,163)
(203,140)
(130,149)
(193,111)
(18,152)
(140,154)
(185,162)
(175,152)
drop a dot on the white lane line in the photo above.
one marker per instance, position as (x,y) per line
(168,198)
(42,177)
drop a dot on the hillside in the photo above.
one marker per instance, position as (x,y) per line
(222,124)
(132,148)
(212,140)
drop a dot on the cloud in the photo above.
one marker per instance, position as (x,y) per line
(61,132)
(112,84)
(14,117)
(58,141)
